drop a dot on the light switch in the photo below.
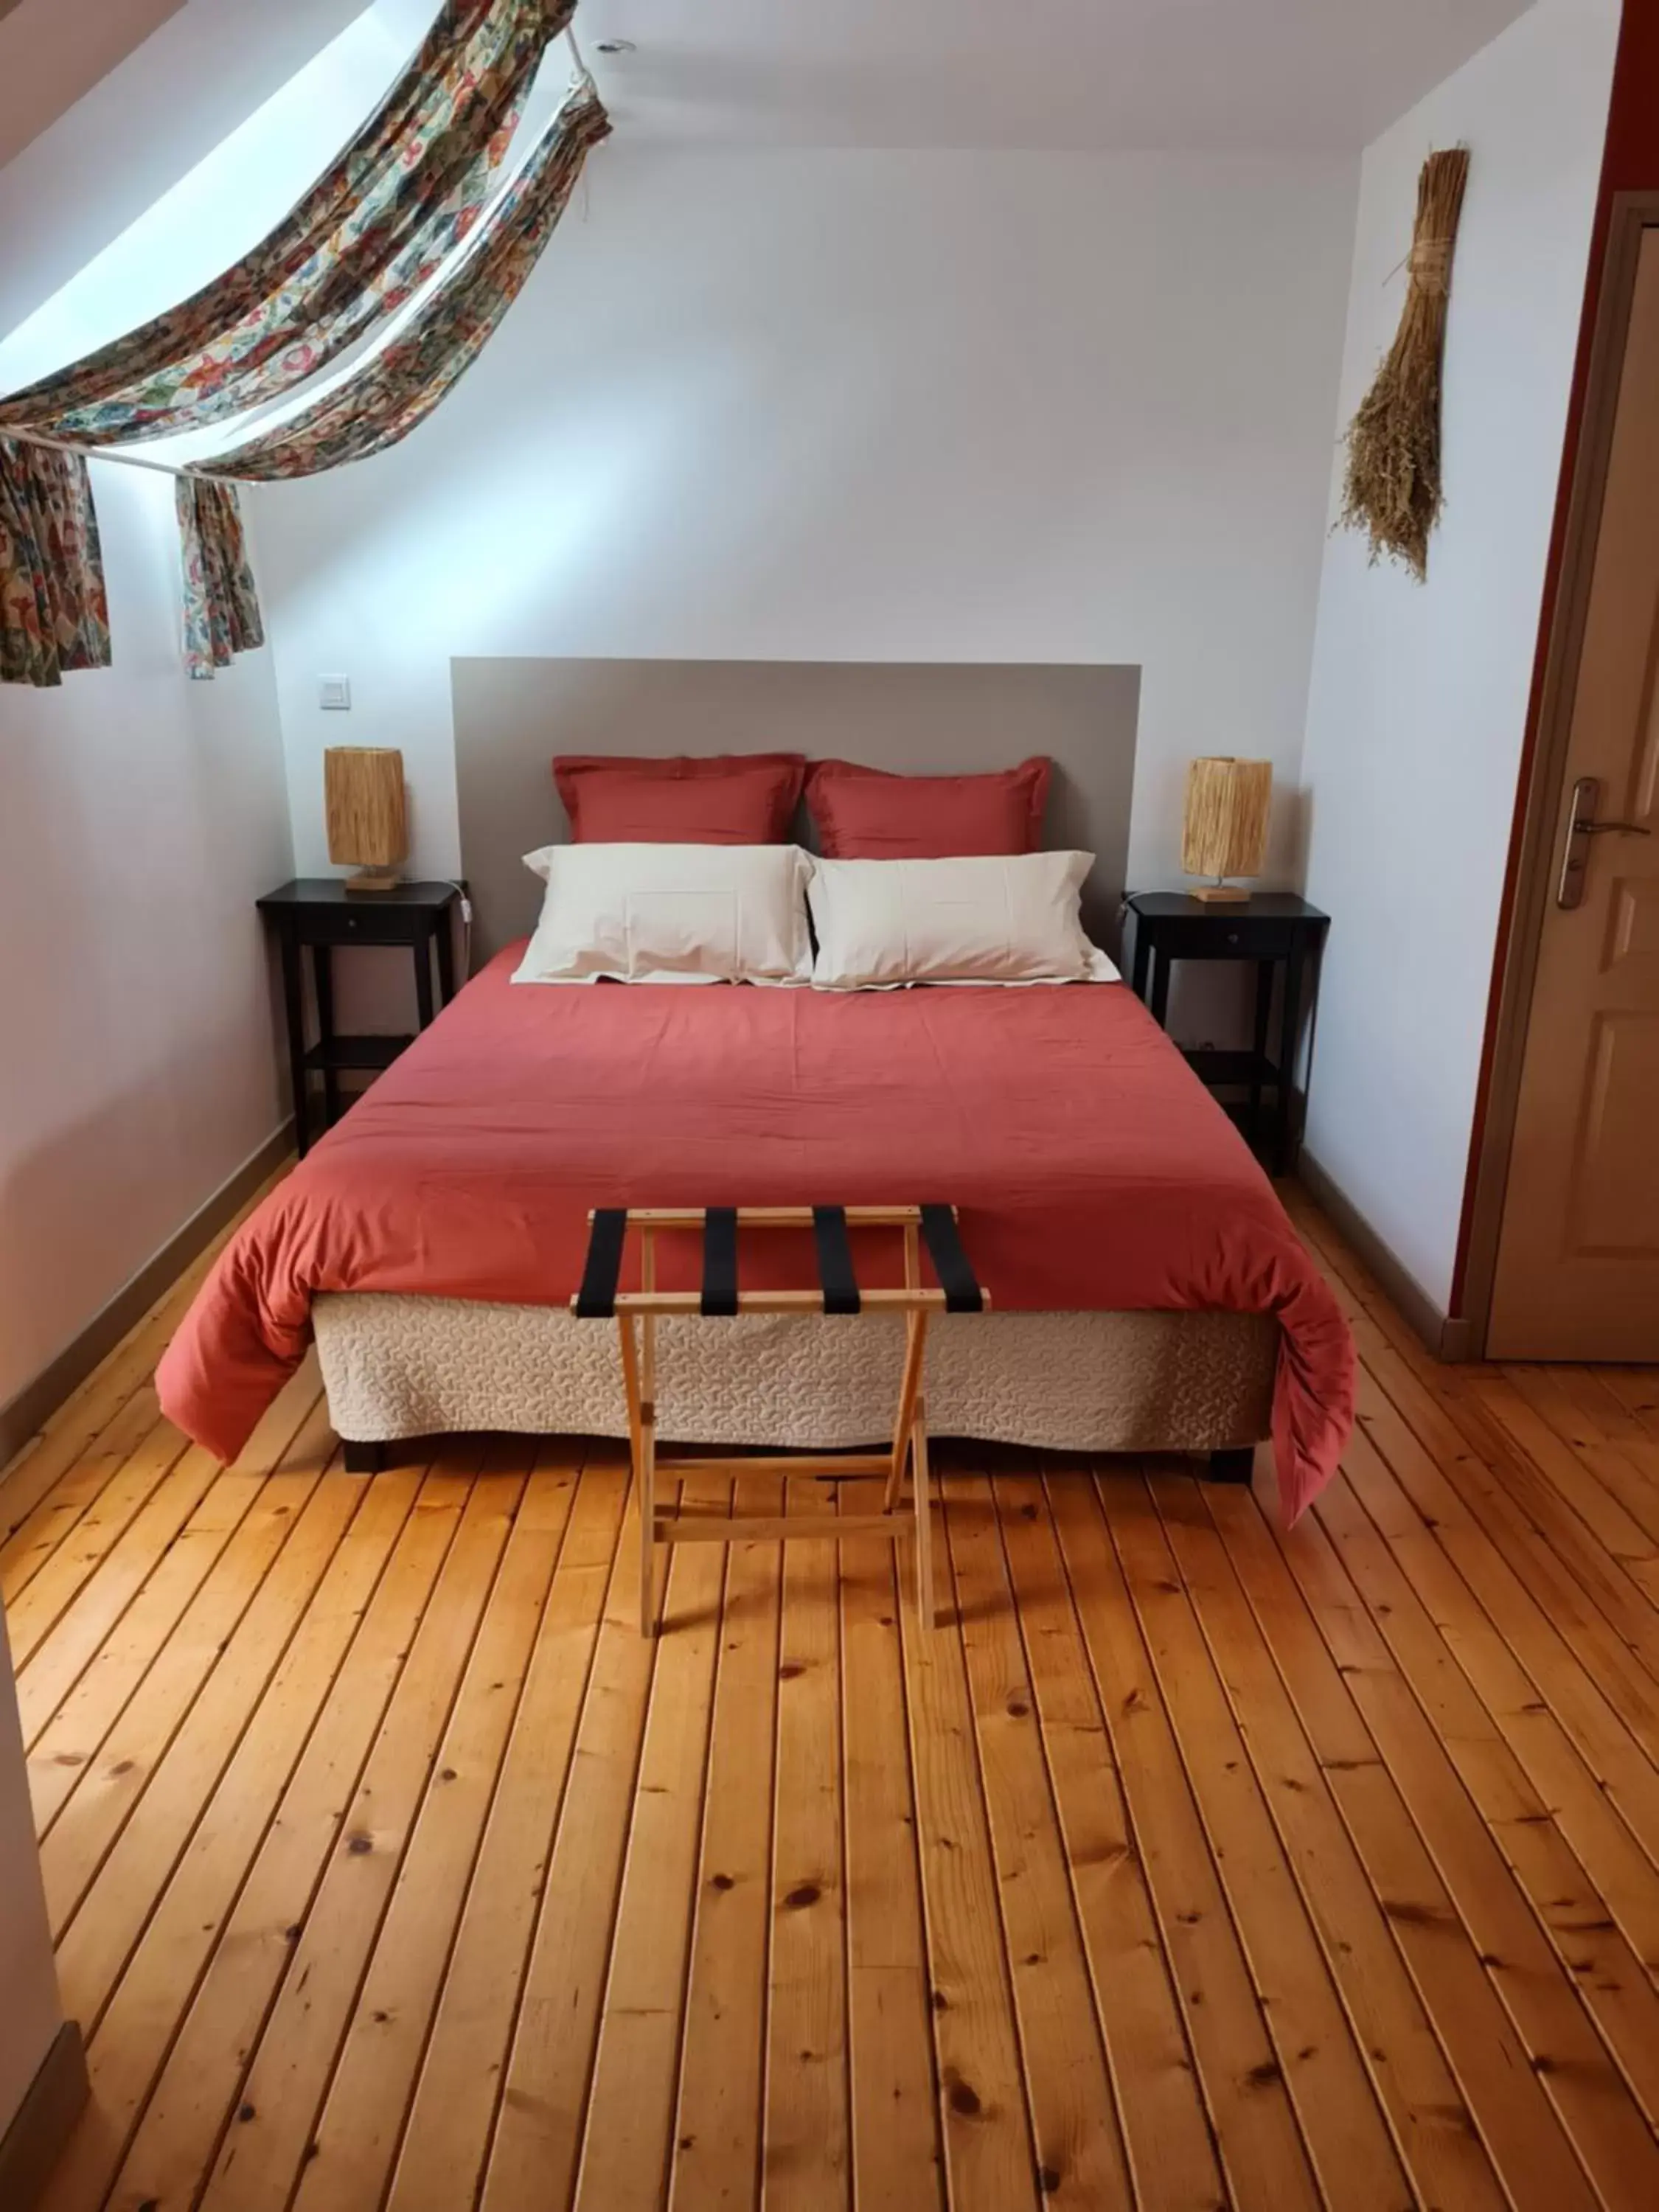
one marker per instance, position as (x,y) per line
(334,692)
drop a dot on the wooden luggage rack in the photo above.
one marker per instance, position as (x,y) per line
(838,1292)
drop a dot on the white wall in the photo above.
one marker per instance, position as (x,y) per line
(140,816)
(863,406)
(29,2012)
(1418,698)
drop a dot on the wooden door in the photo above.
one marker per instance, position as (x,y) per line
(1578,1255)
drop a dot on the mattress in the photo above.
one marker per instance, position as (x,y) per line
(1091,1171)
(399,1366)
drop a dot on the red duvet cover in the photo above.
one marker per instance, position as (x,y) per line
(1091,1170)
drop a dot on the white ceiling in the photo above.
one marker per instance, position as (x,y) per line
(104,103)
(1227,75)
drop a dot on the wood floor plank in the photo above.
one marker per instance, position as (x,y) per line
(1564,1768)
(441,2160)
(41,1534)
(1337,2102)
(60,1657)
(255,1863)
(1170,2145)
(1478,1817)
(1589,1478)
(132,2040)
(164,1467)
(105,1925)
(629,2134)
(1535,1607)
(71,1738)
(1068,2086)
(537,2139)
(1388,1782)
(1262,2152)
(109,1789)
(897,2157)
(1610,1625)
(126,1612)
(1637,1390)
(806,2132)
(91,1408)
(1535,1833)
(267,2142)
(1369,1885)
(1408,1399)
(985,2126)
(215,1545)
(350,2151)
(717,2126)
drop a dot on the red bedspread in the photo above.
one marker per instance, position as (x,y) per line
(1091,1170)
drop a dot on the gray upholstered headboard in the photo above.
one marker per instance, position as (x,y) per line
(513,715)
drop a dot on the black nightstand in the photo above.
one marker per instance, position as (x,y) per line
(321,914)
(1273,928)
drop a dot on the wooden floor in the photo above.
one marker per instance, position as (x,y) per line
(1196,1865)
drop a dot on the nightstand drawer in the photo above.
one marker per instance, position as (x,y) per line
(361,923)
(1246,937)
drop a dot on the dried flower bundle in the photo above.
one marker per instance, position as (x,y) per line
(1393,489)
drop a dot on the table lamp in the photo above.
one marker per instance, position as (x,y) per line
(367,829)
(1224,830)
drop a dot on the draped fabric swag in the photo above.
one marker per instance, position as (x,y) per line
(396,388)
(408,186)
(398,201)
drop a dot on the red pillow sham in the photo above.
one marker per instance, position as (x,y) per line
(867,814)
(731,799)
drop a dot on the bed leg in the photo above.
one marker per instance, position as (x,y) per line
(364,1459)
(1236,1465)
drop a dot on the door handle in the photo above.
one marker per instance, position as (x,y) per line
(1582,826)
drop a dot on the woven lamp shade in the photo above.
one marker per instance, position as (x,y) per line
(1224,827)
(363,793)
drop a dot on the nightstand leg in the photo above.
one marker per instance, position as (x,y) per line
(322,978)
(294,1006)
(1160,1000)
(1290,1037)
(446,932)
(423,981)
(1264,1007)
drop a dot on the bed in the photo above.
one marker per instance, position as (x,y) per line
(1149,1292)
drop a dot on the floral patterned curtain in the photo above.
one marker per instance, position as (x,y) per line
(405,191)
(222,607)
(53,611)
(397,387)
(393,211)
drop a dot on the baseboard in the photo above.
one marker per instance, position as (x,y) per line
(41,2126)
(27,1413)
(1448,1337)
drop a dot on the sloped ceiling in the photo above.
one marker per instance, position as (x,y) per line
(104,103)
(51,54)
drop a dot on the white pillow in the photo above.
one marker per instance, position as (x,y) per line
(987,919)
(670,914)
